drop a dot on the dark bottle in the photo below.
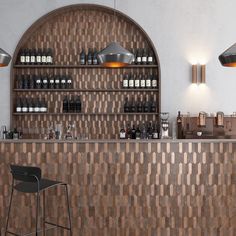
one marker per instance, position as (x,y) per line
(22,56)
(133,132)
(128,131)
(144,131)
(18,105)
(45,82)
(136,81)
(142,81)
(30,105)
(90,57)
(150,58)
(122,133)
(24,105)
(154,81)
(39,57)
(78,104)
(63,82)
(57,82)
(131,81)
(69,84)
(132,105)
(25,82)
(139,105)
(82,58)
(139,57)
(44,57)
(72,104)
(32,81)
(153,105)
(65,107)
(27,56)
(40,105)
(149,131)
(144,57)
(146,105)
(148,82)
(95,57)
(44,107)
(126,81)
(126,105)
(155,133)
(38,82)
(15,134)
(19,81)
(179,126)
(133,51)
(37,105)
(49,57)
(51,82)
(138,133)
(33,56)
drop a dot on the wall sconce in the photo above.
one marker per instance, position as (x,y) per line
(195,77)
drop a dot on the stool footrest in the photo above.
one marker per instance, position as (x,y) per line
(60,226)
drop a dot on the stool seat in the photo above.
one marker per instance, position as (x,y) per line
(32,187)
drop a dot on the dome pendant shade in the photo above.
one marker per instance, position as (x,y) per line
(115,56)
(4,58)
(228,57)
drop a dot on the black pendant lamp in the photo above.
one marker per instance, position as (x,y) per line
(4,58)
(114,55)
(228,57)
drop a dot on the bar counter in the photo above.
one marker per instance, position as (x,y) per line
(128,187)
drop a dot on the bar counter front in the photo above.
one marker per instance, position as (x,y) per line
(125,187)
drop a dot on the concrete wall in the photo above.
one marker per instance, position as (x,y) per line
(183,32)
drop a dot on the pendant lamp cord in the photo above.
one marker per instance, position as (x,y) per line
(114,20)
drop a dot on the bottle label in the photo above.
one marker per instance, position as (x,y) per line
(41,109)
(22,59)
(125,83)
(38,81)
(139,59)
(148,83)
(137,84)
(51,81)
(122,135)
(36,109)
(45,81)
(44,59)
(154,83)
(144,59)
(95,61)
(49,59)
(69,81)
(18,109)
(143,83)
(131,83)
(31,109)
(57,81)
(90,62)
(155,135)
(63,81)
(24,109)
(150,59)
(27,59)
(38,59)
(32,59)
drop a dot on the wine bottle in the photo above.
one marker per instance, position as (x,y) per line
(65,108)
(128,132)
(125,81)
(22,56)
(63,82)
(44,57)
(72,104)
(146,106)
(139,105)
(90,57)
(31,81)
(51,82)
(44,106)
(27,56)
(138,133)
(126,105)
(148,82)
(36,105)
(155,133)
(131,81)
(132,105)
(142,81)
(18,105)
(69,84)
(19,81)
(139,57)
(133,133)
(33,56)
(39,57)
(45,82)
(25,82)
(144,131)
(78,104)
(95,59)
(136,81)
(15,134)
(150,58)
(82,58)
(154,81)
(134,53)
(24,105)
(30,105)
(179,126)
(122,133)
(38,82)
(57,82)
(153,105)
(144,57)
(49,57)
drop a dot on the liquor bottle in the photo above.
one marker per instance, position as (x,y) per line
(131,81)
(72,104)
(65,107)
(51,82)
(18,105)
(33,56)
(138,133)
(132,105)
(82,58)
(149,131)
(19,81)
(155,133)
(57,82)
(49,57)
(30,105)
(36,105)
(25,82)
(126,105)
(125,81)
(153,105)
(90,57)
(133,133)
(45,82)
(146,105)
(31,81)
(63,82)
(139,57)
(27,56)
(44,57)
(95,58)
(40,105)
(144,131)
(142,81)
(39,57)
(139,105)
(69,84)
(179,126)
(38,82)
(122,133)
(148,82)
(150,59)
(24,105)
(78,104)
(136,81)
(44,107)
(15,134)
(154,81)
(22,56)
(128,131)
(144,57)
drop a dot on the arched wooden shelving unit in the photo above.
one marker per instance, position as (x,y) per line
(67,30)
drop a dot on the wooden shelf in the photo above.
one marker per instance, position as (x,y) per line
(82,66)
(83,114)
(86,90)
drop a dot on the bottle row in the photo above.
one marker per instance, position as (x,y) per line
(31,105)
(143,56)
(44,82)
(35,56)
(139,81)
(91,58)
(72,104)
(149,130)
(144,105)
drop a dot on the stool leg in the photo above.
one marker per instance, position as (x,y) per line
(44,214)
(9,208)
(68,207)
(37,213)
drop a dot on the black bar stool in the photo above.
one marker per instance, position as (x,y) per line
(29,181)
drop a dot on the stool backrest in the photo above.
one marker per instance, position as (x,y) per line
(26,173)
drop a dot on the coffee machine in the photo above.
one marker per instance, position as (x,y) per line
(164,125)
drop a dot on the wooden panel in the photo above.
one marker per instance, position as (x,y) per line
(132,188)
